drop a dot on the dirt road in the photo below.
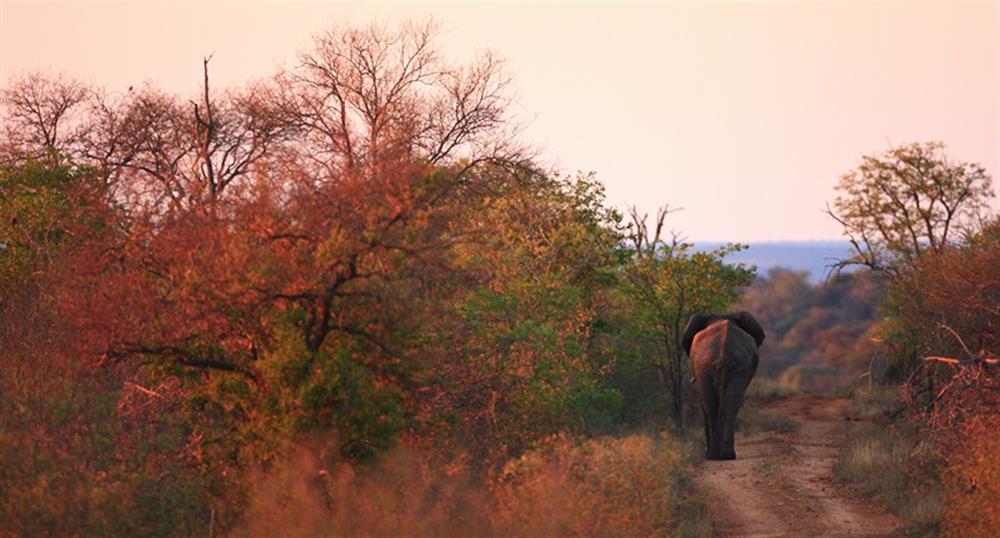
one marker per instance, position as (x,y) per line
(783,483)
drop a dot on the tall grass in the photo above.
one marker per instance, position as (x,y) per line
(879,460)
(637,485)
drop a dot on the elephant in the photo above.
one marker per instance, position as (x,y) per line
(724,352)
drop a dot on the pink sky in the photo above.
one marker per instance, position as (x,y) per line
(743,114)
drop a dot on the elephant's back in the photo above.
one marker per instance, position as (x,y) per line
(723,343)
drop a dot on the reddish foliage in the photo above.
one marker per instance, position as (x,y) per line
(952,301)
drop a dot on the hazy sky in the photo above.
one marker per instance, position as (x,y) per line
(743,114)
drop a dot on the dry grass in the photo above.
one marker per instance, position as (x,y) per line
(879,460)
(813,379)
(629,486)
(767,389)
(753,420)
(314,494)
(875,402)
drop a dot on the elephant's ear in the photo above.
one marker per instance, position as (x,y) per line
(694,326)
(749,324)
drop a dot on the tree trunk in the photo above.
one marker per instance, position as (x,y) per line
(678,392)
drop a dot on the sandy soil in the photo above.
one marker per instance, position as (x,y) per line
(782,484)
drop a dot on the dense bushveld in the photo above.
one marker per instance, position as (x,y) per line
(356,250)
(913,336)
(921,223)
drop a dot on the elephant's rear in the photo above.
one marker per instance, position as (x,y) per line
(723,344)
(723,352)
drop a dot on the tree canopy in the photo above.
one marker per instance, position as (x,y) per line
(911,199)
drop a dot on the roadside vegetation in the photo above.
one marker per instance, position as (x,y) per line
(219,314)
(921,224)
(607,486)
(880,461)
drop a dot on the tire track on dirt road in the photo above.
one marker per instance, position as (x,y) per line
(783,483)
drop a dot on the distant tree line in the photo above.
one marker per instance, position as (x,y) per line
(823,332)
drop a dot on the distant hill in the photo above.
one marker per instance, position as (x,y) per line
(811,256)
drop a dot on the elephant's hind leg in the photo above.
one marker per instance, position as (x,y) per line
(710,413)
(708,432)
(732,399)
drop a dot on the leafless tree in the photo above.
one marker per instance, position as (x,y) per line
(366,98)
(646,243)
(39,114)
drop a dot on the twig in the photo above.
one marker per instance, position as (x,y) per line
(143,389)
(959,338)
(989,361)
(947,360)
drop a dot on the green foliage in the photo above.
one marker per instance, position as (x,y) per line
(908,201)
(308,391)
(344,396)
(674,281)
(71,462)
(661,286)
(548,250)
(34,206)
